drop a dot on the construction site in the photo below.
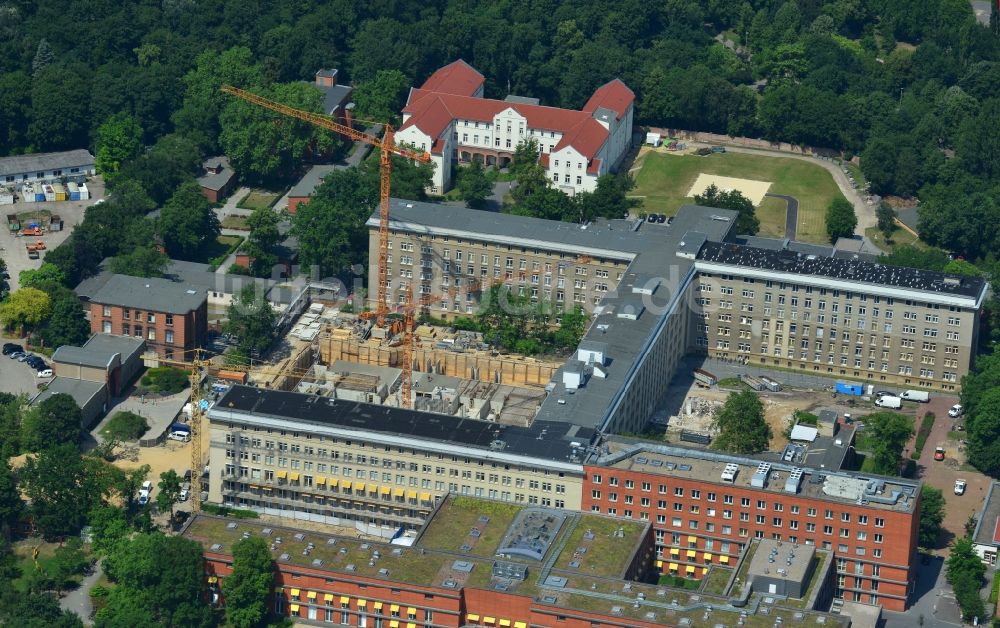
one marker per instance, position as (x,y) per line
(330,353)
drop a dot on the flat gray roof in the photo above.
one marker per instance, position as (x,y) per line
(988,527)
(109,343)
(80,390)
(67,354)
(628,340)
(37,162)
(614,239)
(311,180)
(148,294)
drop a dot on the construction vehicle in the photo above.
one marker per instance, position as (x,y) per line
(32,231)
(387,147)
(37,245)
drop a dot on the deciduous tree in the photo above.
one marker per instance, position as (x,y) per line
(264,237)
(248,588)
(56,420)
(741,424)
(887,433)
(746,222)
(931,515)
(55,484)
(170,491)
(187,221)
(840,219)
(26,307)
(160,581)
(472,184)
(381,98)
(119,140)
(251,320)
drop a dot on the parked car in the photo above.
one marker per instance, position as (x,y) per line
(147,486)
(939,453)
(23,357)
(955,411)
(185,493)
(187,475)
(45,373)
(178,435)
(960,487)
(10,347)
(884,393)
(17,355)
(143,498)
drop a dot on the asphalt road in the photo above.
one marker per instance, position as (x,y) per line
(791,214)
(78,600)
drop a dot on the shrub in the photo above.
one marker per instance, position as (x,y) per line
(165,379)
(126,426)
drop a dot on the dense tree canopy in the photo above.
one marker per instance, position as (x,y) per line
(248,588)
(187,221)
(886,433)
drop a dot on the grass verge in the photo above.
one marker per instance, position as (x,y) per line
(235,222)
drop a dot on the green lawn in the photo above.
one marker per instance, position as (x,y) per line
(258,199)
(235,222)
(900,237)
(715,582)
(450,527)
(663,179)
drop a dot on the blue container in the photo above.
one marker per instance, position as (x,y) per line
(850,389)
(40,197)
(74,196)
(180,427)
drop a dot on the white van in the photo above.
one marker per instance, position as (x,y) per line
(181,436)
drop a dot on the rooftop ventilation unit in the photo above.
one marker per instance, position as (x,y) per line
(793,481)
(759,479)
(729,473)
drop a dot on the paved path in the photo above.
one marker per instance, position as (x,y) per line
(78,600)
(791,214)
(932,600)
(231,258)
(864,212)
(159,411)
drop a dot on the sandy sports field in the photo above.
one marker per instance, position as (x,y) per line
(753,190)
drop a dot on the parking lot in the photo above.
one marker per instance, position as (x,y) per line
(17,377)
(12,246)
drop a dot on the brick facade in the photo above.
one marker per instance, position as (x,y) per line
(888,538)
(170,336)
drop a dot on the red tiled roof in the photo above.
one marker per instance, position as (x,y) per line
(587,137)
(458,77)
(594,167)
(433,112)
(613,95)
(447,96)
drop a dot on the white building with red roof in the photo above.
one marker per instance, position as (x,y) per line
(448,117)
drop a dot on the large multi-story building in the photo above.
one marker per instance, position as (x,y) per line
(449,118)
(705,507)
(378,469)
(838,316)
(483,564)
(338,461)
(171,317)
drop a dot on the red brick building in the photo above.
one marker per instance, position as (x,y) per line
(705,508)
(326,579)
(171,317)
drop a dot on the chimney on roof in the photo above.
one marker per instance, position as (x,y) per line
(326,78)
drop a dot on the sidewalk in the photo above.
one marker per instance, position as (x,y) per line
(160,412)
